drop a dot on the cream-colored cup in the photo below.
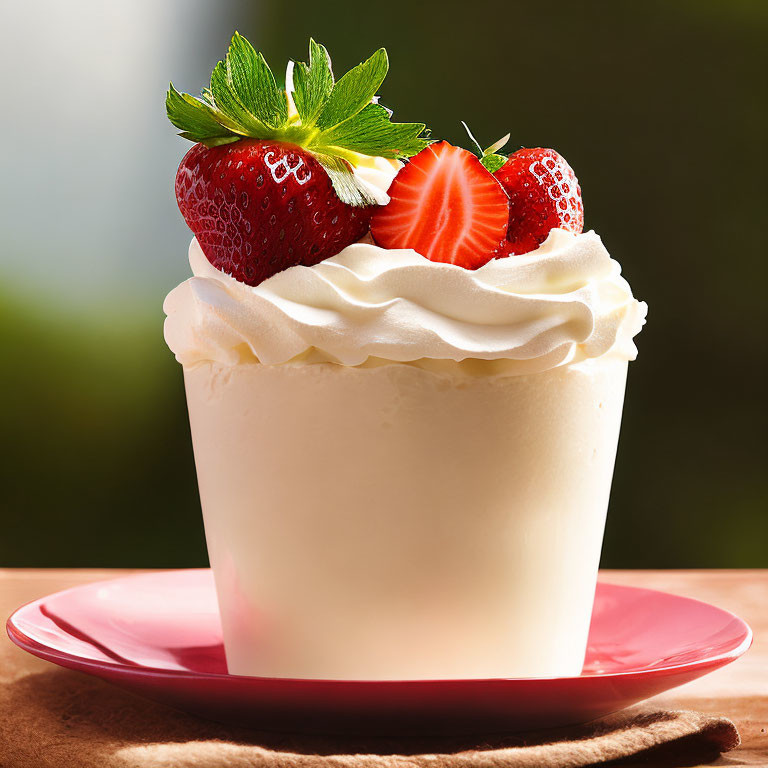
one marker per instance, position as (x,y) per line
(398,521)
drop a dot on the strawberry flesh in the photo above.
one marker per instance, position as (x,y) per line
(544,193)
(258,207)
(446,206)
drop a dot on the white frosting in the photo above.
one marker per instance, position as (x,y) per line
(564,302)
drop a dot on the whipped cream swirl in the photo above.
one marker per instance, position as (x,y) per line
(564,302)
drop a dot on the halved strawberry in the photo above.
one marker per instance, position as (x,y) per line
(446,206)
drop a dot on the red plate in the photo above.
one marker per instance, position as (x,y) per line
(158,634)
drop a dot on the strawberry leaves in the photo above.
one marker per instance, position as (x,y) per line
(370,132)
(196,119)
(312,83)
(490,158)
(249,77)
(343,112)
(493,162)
(336,120)
(354,90)
(229,107)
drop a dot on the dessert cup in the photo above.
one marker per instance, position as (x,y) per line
(405,383)
(391,521)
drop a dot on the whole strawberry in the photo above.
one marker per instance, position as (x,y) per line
(258,207)
(270,182)
(544,193)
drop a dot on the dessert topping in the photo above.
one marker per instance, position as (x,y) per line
(446,206)
(271,183)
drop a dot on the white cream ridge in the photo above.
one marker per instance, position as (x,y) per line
(564,302)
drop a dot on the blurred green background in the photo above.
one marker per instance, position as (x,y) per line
(660,108)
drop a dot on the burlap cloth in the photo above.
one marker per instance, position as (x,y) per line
(61,719)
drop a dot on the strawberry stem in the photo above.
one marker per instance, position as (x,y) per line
(479,152)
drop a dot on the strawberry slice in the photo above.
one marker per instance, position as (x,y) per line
(446,206)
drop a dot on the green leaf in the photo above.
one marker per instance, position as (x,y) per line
(251,80)
(370,132)
(336,121)
(195,118)
(492,163)
(240,119)
(354,90)
(346,185)
(312,84)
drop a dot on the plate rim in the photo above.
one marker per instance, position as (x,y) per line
(43,651)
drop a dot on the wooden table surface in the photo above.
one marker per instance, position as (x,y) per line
(738,691)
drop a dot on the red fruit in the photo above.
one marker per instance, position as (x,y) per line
(257,207)
(445,206)
(544,193)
